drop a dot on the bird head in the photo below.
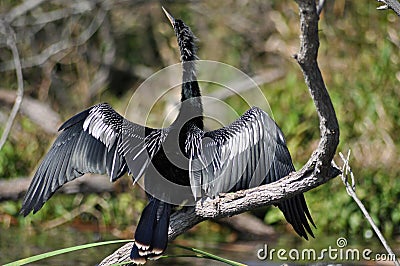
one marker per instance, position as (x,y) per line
(185,37)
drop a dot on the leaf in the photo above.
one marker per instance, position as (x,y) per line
(63,251)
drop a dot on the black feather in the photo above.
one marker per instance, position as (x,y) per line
(151,236)
(249,152)
(145,227)
(90,142)
(135,256)
(75,119)
(160,234)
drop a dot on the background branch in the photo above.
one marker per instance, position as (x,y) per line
(60,46)
(351,190)
(15,188)
(21,9)
(317,171)
(38,112)
(7,33)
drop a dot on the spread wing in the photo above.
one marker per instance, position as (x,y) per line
(249,152)
(97,140)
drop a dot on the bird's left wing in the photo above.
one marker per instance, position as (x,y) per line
(249,152)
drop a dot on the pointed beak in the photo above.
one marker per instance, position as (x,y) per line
(171,18)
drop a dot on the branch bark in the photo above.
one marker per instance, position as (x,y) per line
(307,59)
(318,170)
(22,9)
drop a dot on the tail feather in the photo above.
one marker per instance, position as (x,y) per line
(306,211)
(135,256)
(296,213)
(151,236)
(145,227)
(160,233)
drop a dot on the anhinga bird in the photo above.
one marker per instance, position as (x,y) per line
(249,152)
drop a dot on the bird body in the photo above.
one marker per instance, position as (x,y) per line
(249,152)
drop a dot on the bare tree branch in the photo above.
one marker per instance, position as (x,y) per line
(15,188)
(233,203)
(22,9)
(307,59)
(317,170)
(351,190)
(60,46)
(8,33)
(38,112)
(54,15)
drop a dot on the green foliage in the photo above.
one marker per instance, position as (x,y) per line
(8,161)
(22,151)
(105,211)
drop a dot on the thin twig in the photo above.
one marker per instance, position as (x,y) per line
(346,171)
(54,15)
(9,34)
(22,9)
(61,45)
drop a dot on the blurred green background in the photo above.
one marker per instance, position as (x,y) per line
(358,57)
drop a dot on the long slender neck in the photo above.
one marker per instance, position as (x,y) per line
(191,110)
(190,87)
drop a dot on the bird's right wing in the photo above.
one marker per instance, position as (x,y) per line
(249,152)
(97,140)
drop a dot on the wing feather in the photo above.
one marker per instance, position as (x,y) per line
(249,152)
(97,140)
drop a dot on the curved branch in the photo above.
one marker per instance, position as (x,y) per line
(318,170)
(307,59)
(22,9)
